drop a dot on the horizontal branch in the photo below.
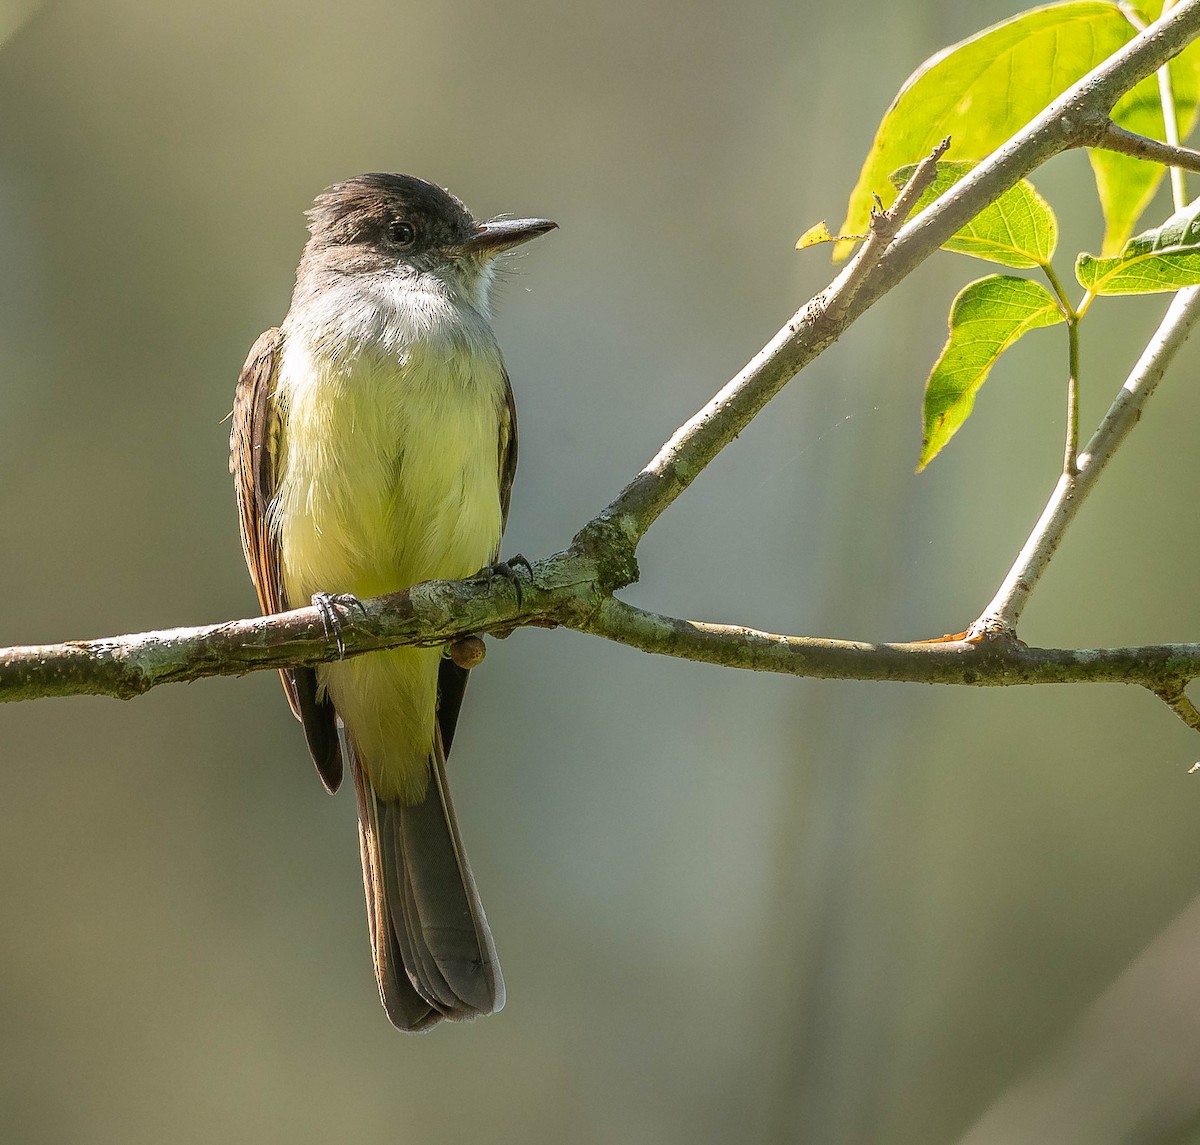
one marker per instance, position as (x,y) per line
(439,611)
(430,614)
(998,662)
(574,588)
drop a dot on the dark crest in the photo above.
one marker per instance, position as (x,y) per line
(398,212)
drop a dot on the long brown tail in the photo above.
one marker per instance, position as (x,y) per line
(433,951)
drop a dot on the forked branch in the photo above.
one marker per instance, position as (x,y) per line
(574,588)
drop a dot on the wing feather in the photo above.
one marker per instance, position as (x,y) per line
(254,442)
(452,680)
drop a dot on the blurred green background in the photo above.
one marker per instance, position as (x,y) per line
(730,907)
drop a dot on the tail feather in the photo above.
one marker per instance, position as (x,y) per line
(405,1007)
(433,952)
(405,923)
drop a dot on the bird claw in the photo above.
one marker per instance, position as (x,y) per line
(327,605)
(508,570)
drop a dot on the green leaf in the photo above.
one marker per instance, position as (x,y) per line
(1019,229)
(1166,258)
(983,90)
(986,318)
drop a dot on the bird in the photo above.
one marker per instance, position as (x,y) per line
(373,446)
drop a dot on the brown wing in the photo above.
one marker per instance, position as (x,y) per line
(452,680)
(508,451)
(253,454)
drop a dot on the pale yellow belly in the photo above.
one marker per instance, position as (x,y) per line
(387,480)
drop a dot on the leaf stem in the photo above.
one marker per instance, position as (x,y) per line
(1071,451)
(1134,16)
(1069,312)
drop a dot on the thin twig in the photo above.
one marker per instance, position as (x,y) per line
(1004,610)
(885,225)
(993,663)
(1177,700)
(1177,158)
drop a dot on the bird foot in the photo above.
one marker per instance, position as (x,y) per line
(327,605)
(508,570)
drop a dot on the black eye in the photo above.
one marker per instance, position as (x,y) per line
(401,233)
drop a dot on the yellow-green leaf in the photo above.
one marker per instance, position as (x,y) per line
(1166,258)
(1018,229)
(816,234)
(986,88)
(986,318)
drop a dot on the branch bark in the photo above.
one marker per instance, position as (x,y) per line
(439,611)
(1173,155)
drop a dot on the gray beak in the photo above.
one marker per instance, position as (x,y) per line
(502,234)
